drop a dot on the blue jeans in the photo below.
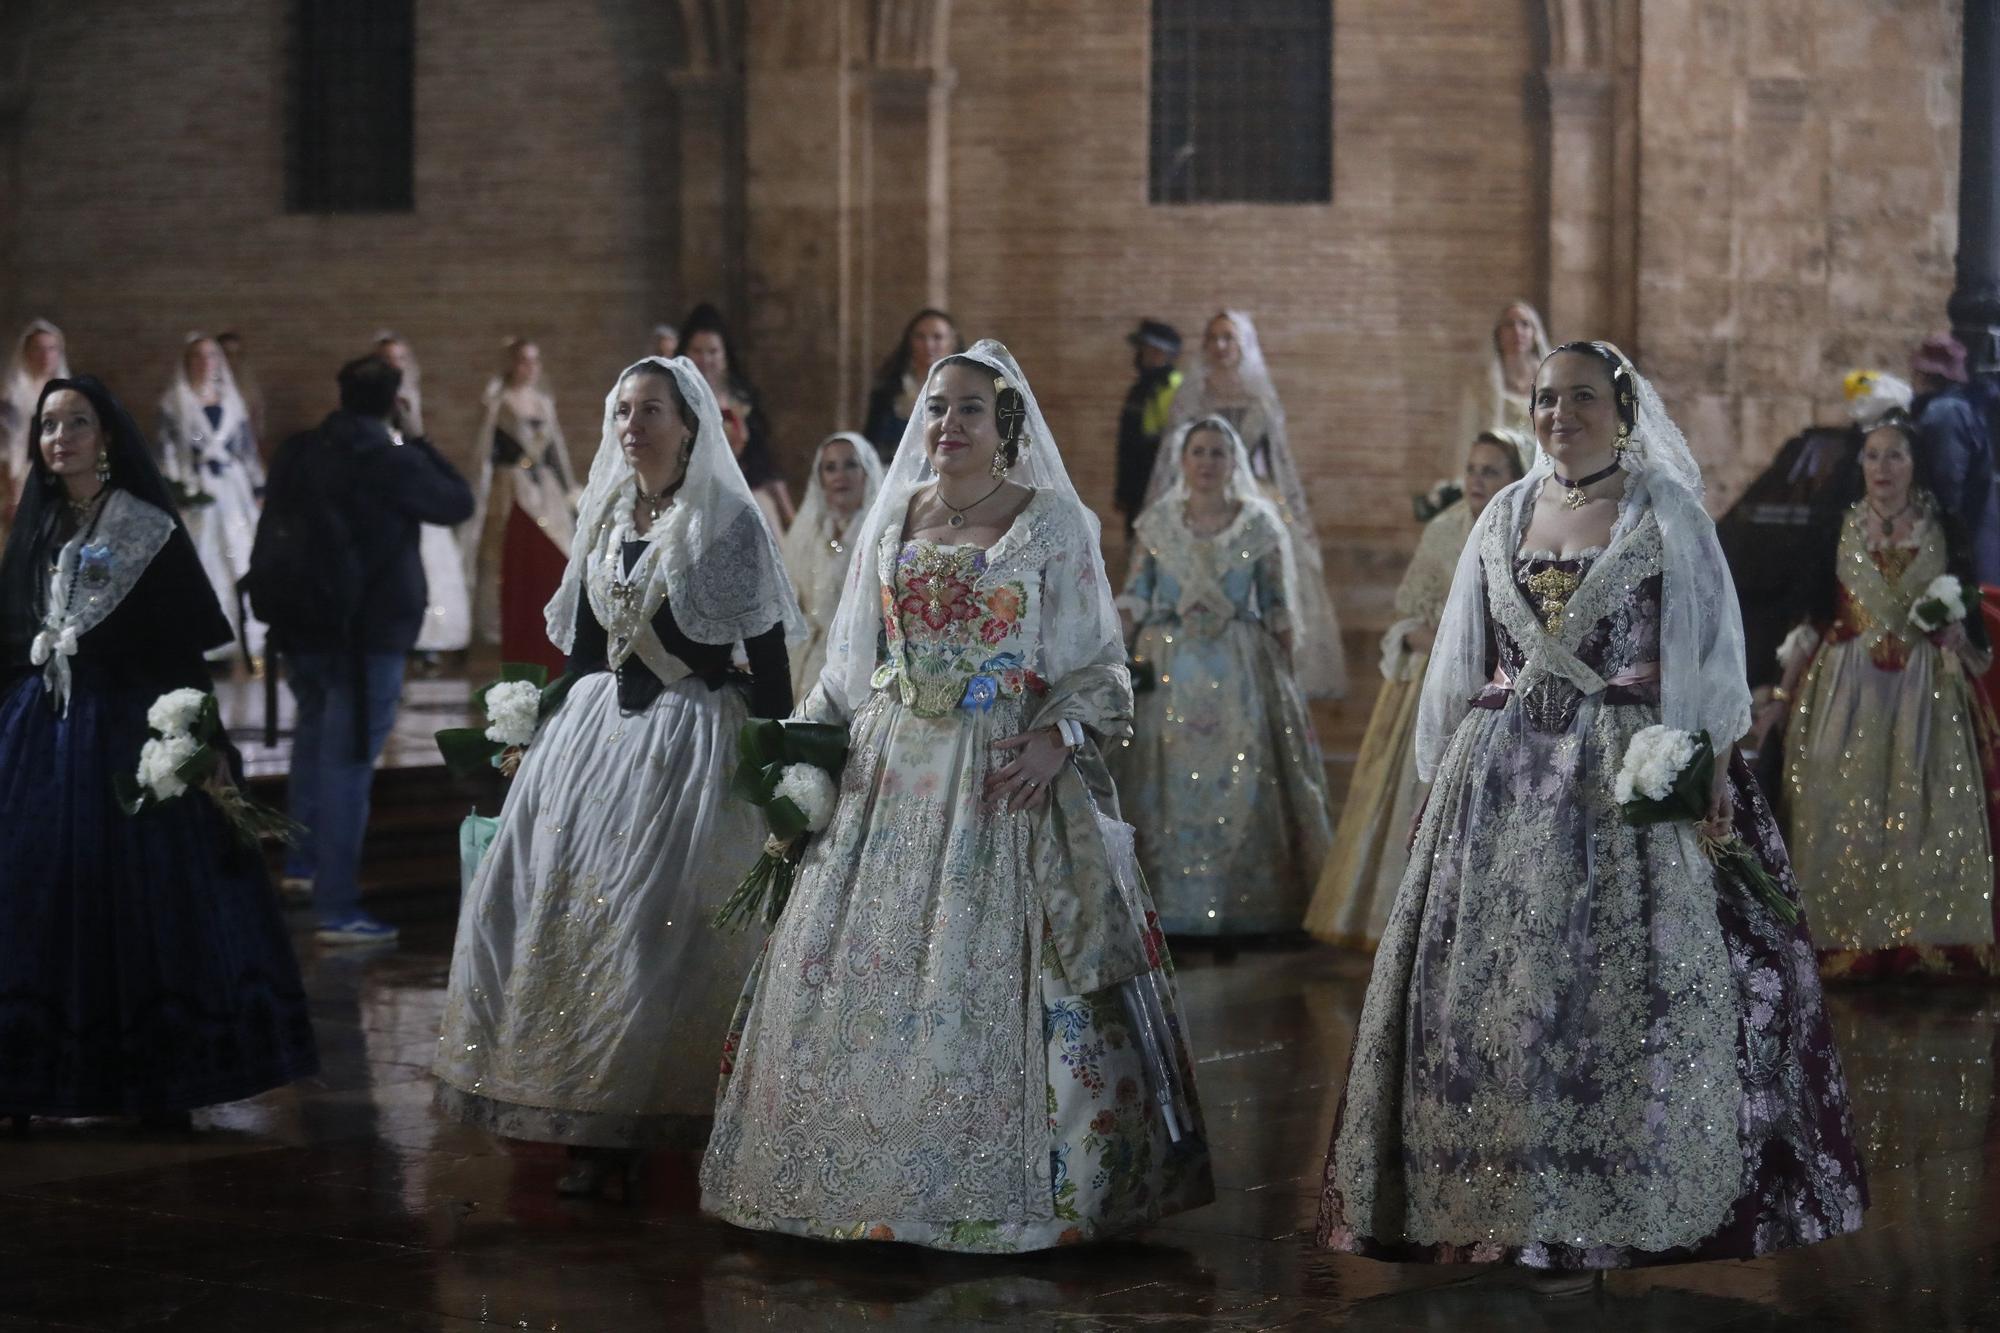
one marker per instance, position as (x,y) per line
(330,776)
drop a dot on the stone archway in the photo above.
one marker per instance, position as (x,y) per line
(813,169)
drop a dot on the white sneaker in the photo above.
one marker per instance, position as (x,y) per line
(357,929)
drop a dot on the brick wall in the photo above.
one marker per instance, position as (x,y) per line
(152,202)
(1798,213)
(1370,308)
(1795,164)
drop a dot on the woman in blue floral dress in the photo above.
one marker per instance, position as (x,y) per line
(962,1032)
(1222,776)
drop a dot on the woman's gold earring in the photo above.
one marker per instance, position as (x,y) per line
(1000,462)
(103,466)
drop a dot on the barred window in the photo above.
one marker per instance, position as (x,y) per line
(1242,102)
(350,142)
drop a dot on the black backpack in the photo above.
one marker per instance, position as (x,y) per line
(305,578)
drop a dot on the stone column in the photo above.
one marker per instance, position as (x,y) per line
(845,168)
(1975,300)
(1589,168)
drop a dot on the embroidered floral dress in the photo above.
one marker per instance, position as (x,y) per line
(1890,777)
(1577,1051)
(1222,778)
(934,1046)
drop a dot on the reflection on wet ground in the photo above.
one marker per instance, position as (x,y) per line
(347,1204)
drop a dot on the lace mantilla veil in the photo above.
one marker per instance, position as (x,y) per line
(1322,662)
(19,393)
(1703,685)
(184,403)
(1084,635)
(1242,487)
(712,546)
(812,526)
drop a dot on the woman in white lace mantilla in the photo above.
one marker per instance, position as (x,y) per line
(962,1032)
(207,452)
(819,546)
(1222,777)
(1231,380)
(1579,1050)
(588,993)
(1496,391)
(39,355)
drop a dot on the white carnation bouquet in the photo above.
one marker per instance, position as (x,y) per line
(186,749)
(1941,606)
(790,770)
(514,706)
(1667,776)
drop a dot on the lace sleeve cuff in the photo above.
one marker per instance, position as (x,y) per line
(1798,647)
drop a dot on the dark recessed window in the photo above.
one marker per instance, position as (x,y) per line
(350,146)
(1242,106)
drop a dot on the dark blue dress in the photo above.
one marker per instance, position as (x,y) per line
(144,964)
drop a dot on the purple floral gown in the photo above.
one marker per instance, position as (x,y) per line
(1578,1050)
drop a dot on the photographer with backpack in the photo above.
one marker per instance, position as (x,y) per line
(337,575)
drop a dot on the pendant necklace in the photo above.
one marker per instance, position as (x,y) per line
(1576,499)
(957,519)
(655,504)
(1888,521)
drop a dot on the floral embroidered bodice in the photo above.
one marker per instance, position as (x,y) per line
(958,636)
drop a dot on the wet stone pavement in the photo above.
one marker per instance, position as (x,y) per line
(349,1204)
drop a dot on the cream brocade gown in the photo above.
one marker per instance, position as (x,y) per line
(910,1061)
(1222,778)
(1889,803)
(1370,845)
(818,570)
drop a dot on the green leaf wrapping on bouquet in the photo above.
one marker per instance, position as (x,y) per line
(554,693)
(761,741)
(534,673)
(467,751)
(198,767)
(763,893)
(1687,799)
(207,724)
(821,744)
(787,821)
